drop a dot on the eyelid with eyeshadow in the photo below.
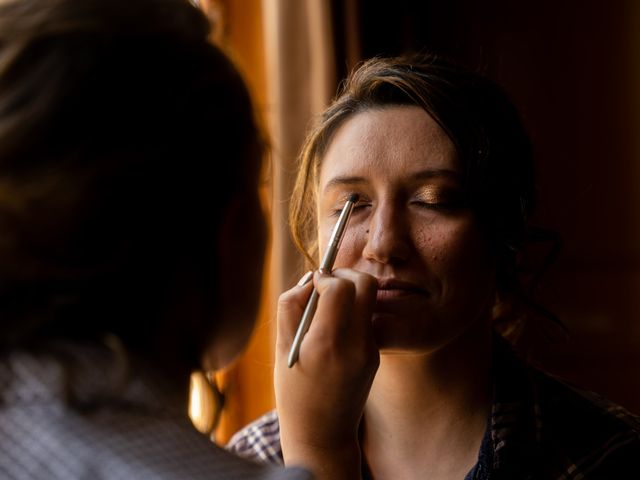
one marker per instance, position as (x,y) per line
(430,194)
(438,196)
(363,201)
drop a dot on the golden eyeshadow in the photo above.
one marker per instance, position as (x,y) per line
(343,198)
(431,194)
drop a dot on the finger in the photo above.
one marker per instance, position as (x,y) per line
(366,288)
(291,305)
(361,326)
(335,306)
(341,332)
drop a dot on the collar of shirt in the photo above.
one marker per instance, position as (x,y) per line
(542,427)
(515,425)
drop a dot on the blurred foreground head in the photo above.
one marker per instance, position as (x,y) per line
(129,160)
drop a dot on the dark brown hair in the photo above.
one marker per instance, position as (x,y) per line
(124,134)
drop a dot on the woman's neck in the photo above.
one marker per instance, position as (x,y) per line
(427,413)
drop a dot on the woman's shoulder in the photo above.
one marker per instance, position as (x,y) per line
(557,428)
(581,431)
(259,441)
(569,402)
(573,416)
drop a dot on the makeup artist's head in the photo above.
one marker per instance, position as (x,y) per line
(129,164)
(444,170)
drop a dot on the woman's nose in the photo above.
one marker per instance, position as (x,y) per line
(387,237)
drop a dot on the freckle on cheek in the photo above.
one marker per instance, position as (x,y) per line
(347,252)
(347,248)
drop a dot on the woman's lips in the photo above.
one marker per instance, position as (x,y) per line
(391,290)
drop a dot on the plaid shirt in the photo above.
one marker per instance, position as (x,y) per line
(539,428)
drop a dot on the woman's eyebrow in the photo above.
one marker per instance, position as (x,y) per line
(342,181)
(437,173)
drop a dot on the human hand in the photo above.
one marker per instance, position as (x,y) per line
(320,399)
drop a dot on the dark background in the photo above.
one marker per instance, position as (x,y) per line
(573,70)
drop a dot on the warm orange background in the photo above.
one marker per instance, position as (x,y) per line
(249,385)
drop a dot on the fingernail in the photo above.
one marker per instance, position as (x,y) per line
(305,278)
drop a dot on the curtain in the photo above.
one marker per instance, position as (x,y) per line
(300,82)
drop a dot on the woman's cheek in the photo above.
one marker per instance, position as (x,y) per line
(444,243)
(435,242)
(350,249)
(463,249)
(324,234)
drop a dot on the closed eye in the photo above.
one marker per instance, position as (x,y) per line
(359,206)
(441,205)
(437,198)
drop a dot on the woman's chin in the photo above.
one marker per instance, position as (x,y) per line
(395,333)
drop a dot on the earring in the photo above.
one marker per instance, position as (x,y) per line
(206,402)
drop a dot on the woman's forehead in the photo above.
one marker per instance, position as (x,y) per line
(392,141)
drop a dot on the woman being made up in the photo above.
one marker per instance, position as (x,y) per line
(444,174)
